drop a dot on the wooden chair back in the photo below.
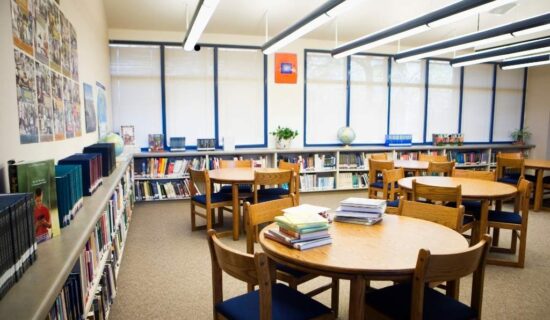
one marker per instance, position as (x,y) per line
(524,193)
(511,155)
(444,168)
(436,193)
(262,213)
(507,165)
(447,216)
(379,156)
(272,179)
(376,167)
(200,178)
(295,167)
(450,268)
(254,269)
(390,178)
(432,157)
(235,163)
(474,174)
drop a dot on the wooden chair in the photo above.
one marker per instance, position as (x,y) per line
(509,170)
(390,189)
(379,156)
(448,216)
(263,213)
(515,221)
(206,200)
(272,300)
(440,168)
(376,167)
(432,157)
(277,179)
(415,300)
(473,207)
(245,190)
(293,187)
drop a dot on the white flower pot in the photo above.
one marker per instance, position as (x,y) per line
(283,143)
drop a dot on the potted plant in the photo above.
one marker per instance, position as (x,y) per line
(283,136)
(520,136)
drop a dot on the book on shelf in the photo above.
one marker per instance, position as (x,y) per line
(315,182)
(17,238)
(352,161)
(156,142)
(38,178)
(91,165)
(158,190)
(468,158)
(68,180)
(348,180)
(108,157)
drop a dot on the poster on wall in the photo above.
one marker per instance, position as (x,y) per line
(28,115)
(76,109)
(22,25)
(68,108)
(42,9)
(58,108)
(286,68)
(44,99)
(74,55)
(65,46)
(89,108)
(101,110)
(54,40)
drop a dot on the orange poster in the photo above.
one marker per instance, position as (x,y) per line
(286,68)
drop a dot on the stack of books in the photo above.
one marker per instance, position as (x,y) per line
(302,227)
(360,210)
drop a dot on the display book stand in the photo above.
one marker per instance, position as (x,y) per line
(36,293)
(323,168)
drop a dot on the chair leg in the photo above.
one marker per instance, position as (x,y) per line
(514,243)
(496,235)
(209,215)
(220,216)
(522,248)
(335,296)
(193,225)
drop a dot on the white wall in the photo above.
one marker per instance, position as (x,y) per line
(537,111)
(89,21)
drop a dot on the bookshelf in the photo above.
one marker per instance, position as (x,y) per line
(341,168)
(35,294)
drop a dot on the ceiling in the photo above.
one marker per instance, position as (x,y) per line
(248,17)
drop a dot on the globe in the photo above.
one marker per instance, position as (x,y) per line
(116,139)
(346,135)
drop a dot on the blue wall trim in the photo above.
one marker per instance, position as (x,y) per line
(460,99)
(390,59)
(266,114)
(493,103)
(426,84)
(216,119)
(163,95)
(522,119)
(348,94)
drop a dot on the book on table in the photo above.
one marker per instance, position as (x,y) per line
(360,210)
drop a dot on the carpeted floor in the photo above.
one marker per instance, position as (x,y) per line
(165,271)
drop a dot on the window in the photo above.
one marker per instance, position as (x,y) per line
(325,97)
(407,99)
(508,103)
(369,98)
(477,100)
(443,98)
(189,93)
(241,106)
(136,89)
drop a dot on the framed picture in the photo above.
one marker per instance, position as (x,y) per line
(127,133)
(286,68)
(206,144)
(156,142)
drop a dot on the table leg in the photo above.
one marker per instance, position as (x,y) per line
(357,298)
(483,221)
(538,189)
(236,210)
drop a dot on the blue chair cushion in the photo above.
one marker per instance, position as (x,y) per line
(467,219)
(380,184)
(512,178)
(273,191)
(394,203)
(546,180)
(395,302)
(216,197)
(243,188)
(531,177)
(504,216)
(293,272)
(286,303)
(470,206)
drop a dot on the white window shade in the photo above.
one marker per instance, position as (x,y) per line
(408,99)
(241,96)
(189,80)
(508,103)
(443,98)
(325,98)
(477,99)
(136,90)
(369,98)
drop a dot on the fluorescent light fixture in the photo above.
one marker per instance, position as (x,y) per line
(318,17)
(202,15)
(474,39)
(531,30)
(504,52)
(445,15)
(525,62)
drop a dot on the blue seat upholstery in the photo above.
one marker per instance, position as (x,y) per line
(504,216)
(293,272)
(380,184)
(216,197)
(394,203)
(512,178)
(470,206)
(530,177)
(395,302)
(287,304)
(273,191)
(243,188)
(467,219)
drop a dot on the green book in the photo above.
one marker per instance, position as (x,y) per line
(38,177)
(304,228)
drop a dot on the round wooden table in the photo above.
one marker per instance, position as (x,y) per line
(540,166)
(385,251)
(472,189)
(234,177)
(412,165)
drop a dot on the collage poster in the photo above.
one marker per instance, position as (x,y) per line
(101,110)
(46,60)
(89,108)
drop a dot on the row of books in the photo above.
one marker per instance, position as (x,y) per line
(92,172)
(166,167)
(158,190)
(352,180)
(259,162)
(302,227)
(312,162)
(68,304)
(468,157)
(104,295)
(17,240)
(315,182)
(360,210)
(68,181)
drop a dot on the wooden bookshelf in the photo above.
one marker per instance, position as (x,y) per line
(33,296)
